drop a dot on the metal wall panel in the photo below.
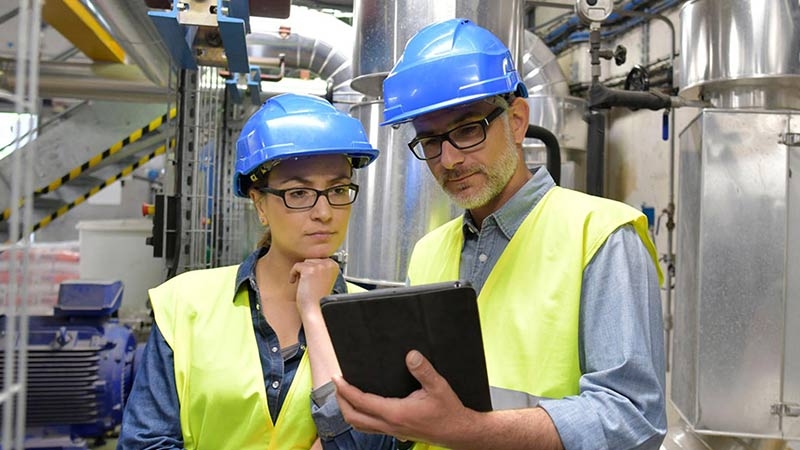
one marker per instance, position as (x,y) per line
(731,297)
(684,356)
(742,242)
(791,374)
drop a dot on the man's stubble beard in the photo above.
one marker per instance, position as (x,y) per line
(497,177)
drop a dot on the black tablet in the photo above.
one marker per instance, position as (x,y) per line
(373,331)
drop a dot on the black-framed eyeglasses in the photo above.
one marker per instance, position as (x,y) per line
(305,198)
(462,137)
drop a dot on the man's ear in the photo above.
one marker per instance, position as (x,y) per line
(519,117)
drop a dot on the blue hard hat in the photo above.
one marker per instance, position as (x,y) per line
(446,64)
(293,125)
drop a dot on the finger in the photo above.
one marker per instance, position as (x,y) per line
(358,419)
(294,275)
(422,370)
(364,402)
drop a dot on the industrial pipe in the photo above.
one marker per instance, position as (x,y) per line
(595,153)
(553,149)
(307,39)
(98,81)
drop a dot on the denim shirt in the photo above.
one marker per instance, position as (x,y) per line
(622,403)
(151,418)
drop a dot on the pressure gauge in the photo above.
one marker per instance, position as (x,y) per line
(594,10)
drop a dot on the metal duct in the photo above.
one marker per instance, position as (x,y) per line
(137,35)
(98,81)
(741,54)
(540,70)
(307,39)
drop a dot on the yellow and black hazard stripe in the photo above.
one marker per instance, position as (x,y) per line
(74,173)
(95,189)
(96,159)
(7,213)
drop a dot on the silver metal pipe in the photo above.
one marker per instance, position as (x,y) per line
(98,81)
(136,34)
(307,39)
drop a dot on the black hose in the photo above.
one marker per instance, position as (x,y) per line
(601,97)
(595,153)
(553,149)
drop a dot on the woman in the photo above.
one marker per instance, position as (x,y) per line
(235,351)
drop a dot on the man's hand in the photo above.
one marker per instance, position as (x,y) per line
(431,414)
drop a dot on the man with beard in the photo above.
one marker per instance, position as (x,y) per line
(568,283)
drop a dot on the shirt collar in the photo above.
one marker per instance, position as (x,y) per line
(247,273)
(511,215)
(247,269)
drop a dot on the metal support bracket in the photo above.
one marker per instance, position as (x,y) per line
(233,27)
(232,88)
(790,139)
(176,37)
(785,409)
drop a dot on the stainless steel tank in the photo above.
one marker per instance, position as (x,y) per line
(741,53)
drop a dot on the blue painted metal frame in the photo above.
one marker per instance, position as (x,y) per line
(254,84)
(233,28)
(177,38)
(232,90)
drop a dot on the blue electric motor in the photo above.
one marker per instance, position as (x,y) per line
(80,364)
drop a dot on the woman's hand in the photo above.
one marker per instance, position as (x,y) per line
(315,279)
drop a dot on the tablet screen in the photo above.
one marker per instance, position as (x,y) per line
(373,331)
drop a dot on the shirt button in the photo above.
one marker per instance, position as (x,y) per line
(258,307)
(275,385)
(482,258)
(274,349)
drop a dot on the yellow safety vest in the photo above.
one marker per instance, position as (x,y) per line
(529,305)
(218,375)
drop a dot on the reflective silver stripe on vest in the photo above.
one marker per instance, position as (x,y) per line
(508,399)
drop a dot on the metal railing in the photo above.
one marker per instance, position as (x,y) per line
(15,303)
